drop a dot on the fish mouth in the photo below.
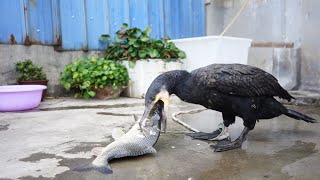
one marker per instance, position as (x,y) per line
(151,111)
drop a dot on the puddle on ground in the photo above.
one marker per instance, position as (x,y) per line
(63,162)
(87,146)
(82,147)
(33,178)
(38,156)
(4,127)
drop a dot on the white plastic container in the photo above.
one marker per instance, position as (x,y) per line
(144,72)
(202,51)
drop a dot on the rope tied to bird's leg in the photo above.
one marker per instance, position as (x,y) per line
(224,130)
(174,118)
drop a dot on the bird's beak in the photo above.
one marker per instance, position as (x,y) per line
(150,108)
(146,114)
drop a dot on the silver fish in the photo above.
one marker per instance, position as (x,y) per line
(134,143)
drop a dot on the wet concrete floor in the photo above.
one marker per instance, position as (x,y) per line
(47,143)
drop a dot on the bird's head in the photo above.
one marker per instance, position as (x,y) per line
(159,91)
(156,96)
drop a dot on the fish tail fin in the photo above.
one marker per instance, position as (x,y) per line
(299,116)
(106,169)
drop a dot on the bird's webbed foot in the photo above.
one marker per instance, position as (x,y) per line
(219,134)
(204,135)
(228,145)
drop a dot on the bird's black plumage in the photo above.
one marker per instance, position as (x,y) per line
(233,89)
(238,79)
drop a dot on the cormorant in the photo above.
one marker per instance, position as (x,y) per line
(232,89)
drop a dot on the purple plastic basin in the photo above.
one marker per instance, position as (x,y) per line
(20,97)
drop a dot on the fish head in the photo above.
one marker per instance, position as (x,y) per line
(155,118)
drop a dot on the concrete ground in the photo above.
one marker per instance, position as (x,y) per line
(48,142)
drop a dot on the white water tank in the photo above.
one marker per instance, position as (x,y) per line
(202,51)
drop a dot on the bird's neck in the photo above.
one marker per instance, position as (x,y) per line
(172,79)
(182,86)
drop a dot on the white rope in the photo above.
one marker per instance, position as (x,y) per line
(174,118)
(235,18)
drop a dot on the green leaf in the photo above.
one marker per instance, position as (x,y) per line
(74,68)
(85,71)
(136,44)
(75,75)
(124,26)
(113,68)
(104,37)
(134,54)
(159,43)
(153,53)
(132,40)
(105,67)
(145,38)
(147,31)
(182,54)
(142,54)
(86,95)
(131,64)
(67,85)
(114,86)
(117,39)
(130,49)
(91,93)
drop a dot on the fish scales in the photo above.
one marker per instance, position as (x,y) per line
(133,143)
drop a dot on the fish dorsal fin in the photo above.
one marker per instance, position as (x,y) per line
(135,117)
(117,133)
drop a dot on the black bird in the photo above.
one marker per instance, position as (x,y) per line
(232,89)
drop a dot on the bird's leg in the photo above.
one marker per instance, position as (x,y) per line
(223,135)
(219,134)
(222,146)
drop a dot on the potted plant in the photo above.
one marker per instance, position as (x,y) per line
(144,57)
(95,77)
(30,74)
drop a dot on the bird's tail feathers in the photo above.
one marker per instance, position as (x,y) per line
(106,169)
(300,116)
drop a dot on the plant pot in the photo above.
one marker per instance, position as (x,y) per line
(108,92)
(144,72)
(36,82)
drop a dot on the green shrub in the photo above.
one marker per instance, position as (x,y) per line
(87,74)
(27,71)
(133,44)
